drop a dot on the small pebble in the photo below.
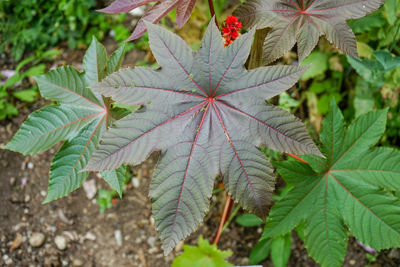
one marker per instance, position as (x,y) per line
(89,186)
(77,263)
(90,236)
(27,198)
(37,239)
(13,181)
(30,165)
(118,237)
(352,262)
(135,182)
(61,242)
(43,193)
(151,240)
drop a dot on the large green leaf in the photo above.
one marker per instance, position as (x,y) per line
(80,119)
(353,189)
(65,170)
(49,125)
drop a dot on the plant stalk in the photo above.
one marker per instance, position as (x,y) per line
(256,52)
(212,10)
(297,158)
(225,214)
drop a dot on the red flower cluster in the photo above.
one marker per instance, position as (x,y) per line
(230,30)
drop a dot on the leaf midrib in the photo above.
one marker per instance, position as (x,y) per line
(72,91)
(359,201)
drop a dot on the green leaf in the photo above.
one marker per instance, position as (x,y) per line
(249,220)
(95,62)
(364,100)
(49,125)
(116,178)
(13,80)
(387,60)
(35,71)
(80,119)
(356,189)
(280,250)
(67,85)
(65,169)
(28,95)
(202,255)
(115,60)
(260,251)
(391,10)
(319,64)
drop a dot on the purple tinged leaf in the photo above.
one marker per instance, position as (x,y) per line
(159,10)
(303,22)
(154,15)
(208,115)
(183,11)
(120,6)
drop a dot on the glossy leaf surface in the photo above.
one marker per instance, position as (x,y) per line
(351,189)
(303,22)
(207,114)
(80,118)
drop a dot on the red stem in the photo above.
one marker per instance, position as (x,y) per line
(228,206)
(298,158)
(227,210)
(212,11)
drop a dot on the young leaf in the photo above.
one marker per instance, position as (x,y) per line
(116,178)
(202,255)
(352,188)
(159,10)
(304,22)
(260,251)
(280,250)
(249,220)
(213,129)
(80,119)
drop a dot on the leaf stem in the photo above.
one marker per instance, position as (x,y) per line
(227,210)
(297,157)
(212,10)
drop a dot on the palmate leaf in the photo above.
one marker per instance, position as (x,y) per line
(80,118)
(154,14)
(304,21)
(207,114)
(352,190)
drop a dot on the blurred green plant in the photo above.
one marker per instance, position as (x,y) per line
(31,25)
(380,29)
(7,96)
(204,254)
(326,75)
